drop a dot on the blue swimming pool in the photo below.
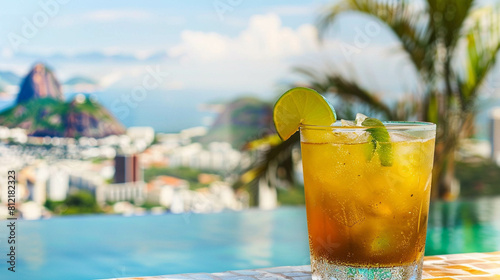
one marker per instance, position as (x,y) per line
(93,247)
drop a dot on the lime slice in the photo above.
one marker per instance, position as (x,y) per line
(382,139)
(300,106)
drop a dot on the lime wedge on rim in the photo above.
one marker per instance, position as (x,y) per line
(301,106)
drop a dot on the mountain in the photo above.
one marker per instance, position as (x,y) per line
(42,111)
(40,83)
(86,117)
(81,117)
(40,117)
(241,121)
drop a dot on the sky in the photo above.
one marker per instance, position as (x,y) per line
(218,49)
(233,46)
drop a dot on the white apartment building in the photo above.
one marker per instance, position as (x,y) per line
(165,191)
(132,191)
(219,156)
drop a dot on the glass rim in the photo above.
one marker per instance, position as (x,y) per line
(390,125)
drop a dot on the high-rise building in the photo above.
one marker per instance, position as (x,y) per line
(127,169)
(495,134)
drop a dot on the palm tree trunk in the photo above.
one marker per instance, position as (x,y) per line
(448,185)
(444,182)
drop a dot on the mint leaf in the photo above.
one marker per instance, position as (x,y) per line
(383,145)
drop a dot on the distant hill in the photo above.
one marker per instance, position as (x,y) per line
(42,111)
(242,120)
(9,78)
(79,80)
(40,83)
(80,84)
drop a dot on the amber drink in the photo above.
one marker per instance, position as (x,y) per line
(367,216)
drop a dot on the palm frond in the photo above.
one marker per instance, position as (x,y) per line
(346,89)
(408,24)
(448,19)
(483,45)
(279,155)
(407,108)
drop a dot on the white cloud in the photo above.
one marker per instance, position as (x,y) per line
(174,85)
(264,38)
(110,79)
(266,51)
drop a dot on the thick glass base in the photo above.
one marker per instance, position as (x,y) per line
(322,270)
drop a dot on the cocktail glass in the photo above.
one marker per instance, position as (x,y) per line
(367,217)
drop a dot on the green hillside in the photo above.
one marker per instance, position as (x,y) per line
(243,120)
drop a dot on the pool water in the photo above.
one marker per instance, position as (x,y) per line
(102,246)
(464,227)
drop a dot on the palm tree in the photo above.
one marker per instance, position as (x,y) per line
(452,45)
